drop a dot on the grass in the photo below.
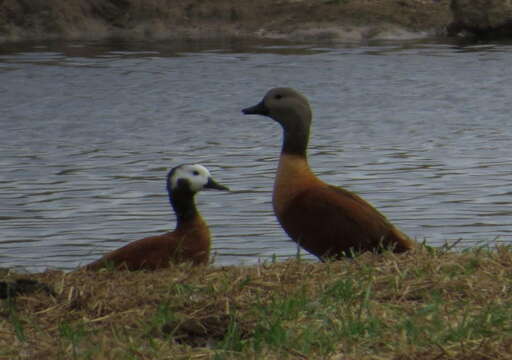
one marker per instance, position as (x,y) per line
(429,304)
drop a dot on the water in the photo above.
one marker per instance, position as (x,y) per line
(89,130)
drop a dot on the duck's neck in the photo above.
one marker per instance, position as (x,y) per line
(293,164)
(184,206)
(295,140)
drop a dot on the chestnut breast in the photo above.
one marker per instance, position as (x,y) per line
(292,178)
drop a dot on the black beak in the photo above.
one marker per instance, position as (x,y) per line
(212,184)
(258,109)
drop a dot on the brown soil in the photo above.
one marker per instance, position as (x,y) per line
(296,19)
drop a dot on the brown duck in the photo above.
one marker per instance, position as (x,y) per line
(189,242)
(328,221)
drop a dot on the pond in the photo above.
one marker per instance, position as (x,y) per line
(90,129)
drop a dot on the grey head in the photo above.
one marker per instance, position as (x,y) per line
(286,106)
(290,109)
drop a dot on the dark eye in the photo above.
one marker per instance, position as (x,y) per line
(278,96)
(195,173)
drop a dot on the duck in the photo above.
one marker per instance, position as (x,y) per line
(329,222)
(189,242)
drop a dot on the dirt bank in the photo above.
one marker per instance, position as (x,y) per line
(353,20)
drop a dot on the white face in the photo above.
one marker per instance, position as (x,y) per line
(197,176)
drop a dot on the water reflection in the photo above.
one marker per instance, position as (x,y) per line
(89,130)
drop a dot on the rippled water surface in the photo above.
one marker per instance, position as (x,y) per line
(89,130)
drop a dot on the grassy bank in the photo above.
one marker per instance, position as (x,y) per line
(430,304)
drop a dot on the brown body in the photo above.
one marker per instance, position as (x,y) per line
(327,221)
(190,242)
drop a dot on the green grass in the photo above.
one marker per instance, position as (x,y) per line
(72,335)
(429,304)
(14,319)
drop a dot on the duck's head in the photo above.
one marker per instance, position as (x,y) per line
(286,106)
(191,178)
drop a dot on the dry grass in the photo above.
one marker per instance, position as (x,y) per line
(430,304)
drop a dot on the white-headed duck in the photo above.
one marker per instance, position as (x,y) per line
(189,242)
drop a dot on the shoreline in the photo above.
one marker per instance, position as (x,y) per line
(296,20)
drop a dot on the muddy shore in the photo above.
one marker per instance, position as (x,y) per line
(336,20)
